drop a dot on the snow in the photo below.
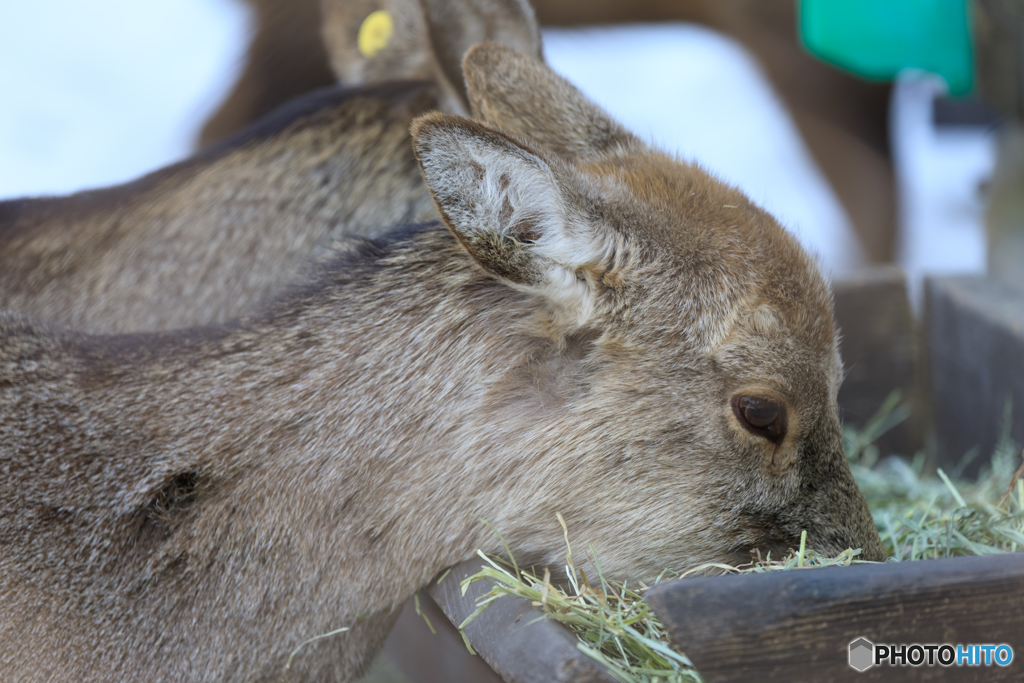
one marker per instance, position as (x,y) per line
(940,173)
(699,94)
(97,93)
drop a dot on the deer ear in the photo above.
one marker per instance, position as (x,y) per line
(399,39)
(509,209)
(454,27)
(521,94)
(371,41)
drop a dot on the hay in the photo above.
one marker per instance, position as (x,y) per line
(918,516)
(924,517)
(613,622)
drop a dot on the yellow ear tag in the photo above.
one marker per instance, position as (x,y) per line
(375,33)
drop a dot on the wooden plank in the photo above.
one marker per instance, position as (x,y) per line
(514,637)
(425,657)
(797,626)
(975,335)
(997,46)
(880,353)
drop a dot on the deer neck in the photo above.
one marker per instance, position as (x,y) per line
(342,427)
(275,479)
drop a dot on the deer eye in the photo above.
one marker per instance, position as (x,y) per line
(761,416)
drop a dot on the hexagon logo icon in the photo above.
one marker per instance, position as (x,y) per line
(862,654)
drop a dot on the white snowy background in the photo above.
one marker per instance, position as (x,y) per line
(98,93)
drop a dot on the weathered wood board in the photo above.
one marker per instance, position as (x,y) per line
(513,637)
(797,626)
(423,656)
(975,350)
(880,353)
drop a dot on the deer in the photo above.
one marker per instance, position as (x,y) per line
(208,239)
(593,328)
(425,39)
(204,240)
(303,45)
(841,118)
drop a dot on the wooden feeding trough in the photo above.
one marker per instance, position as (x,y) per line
(778,627)
(798,625)
(975,361)
(962,365)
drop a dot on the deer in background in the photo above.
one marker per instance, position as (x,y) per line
(598,329)
(208,239)
(842,119)
(428,39)
(204,240)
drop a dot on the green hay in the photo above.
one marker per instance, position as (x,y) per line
(614,624)
(918,517)
(924,517)
(288,664)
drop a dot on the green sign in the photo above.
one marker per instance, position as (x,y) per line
(877,39)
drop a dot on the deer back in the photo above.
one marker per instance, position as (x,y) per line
(204,240)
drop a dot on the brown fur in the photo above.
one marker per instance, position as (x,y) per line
(194,505)
(202,241)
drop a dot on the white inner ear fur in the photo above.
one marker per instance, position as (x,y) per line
(519,197)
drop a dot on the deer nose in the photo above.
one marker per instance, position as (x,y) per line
(841,515)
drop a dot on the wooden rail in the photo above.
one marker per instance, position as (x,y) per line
(782,627)
(975,332)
